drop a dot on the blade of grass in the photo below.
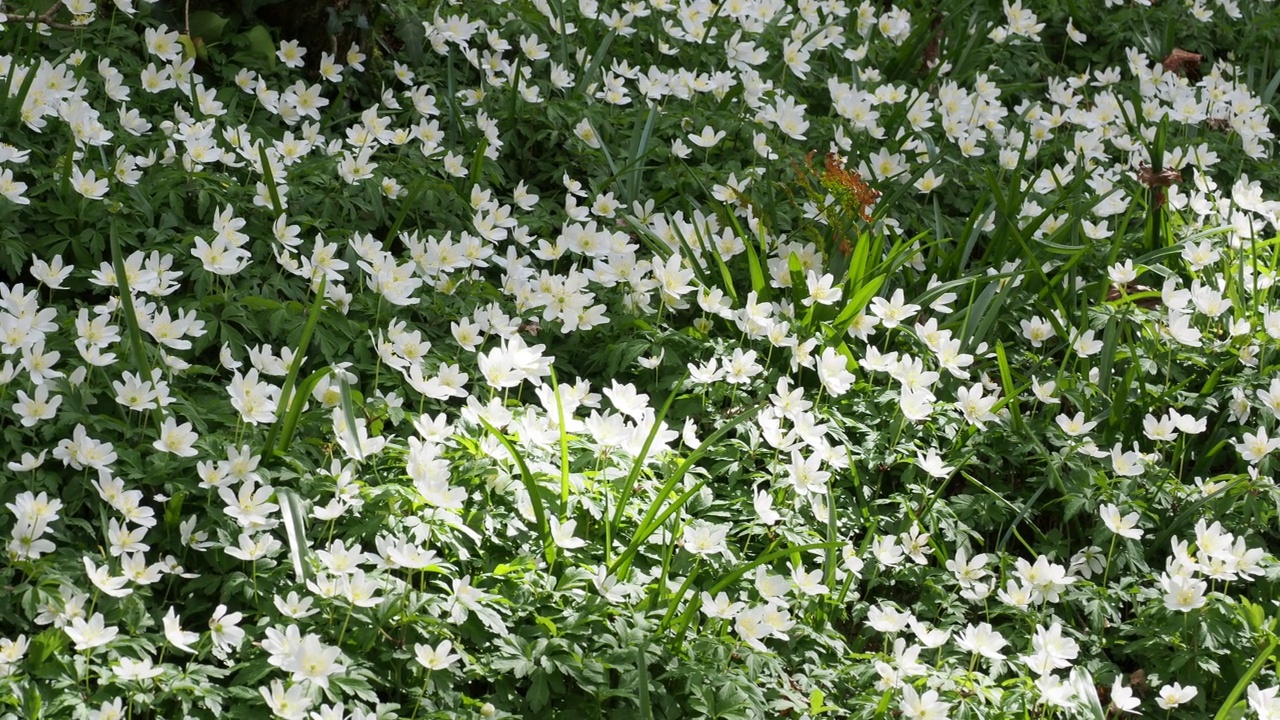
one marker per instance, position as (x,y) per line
(291,509)
(738,572)
(1086,690)
(1010,390)
(531,486)
(855,305)
(349,410)
(654,517)
(295,408)
(269,447)
(1228,704)
(756,249)
(130,313)
(597,59)
(564,443)
(629,483)
(639,149)
(270,180)
(642,670)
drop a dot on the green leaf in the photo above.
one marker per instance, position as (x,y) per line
(855,305)
(260,43)
(207,24)
(758,284)
(270,178)
(539,692)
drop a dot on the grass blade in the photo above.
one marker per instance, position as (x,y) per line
(131,317)
(564,442)
(295,529)
(531,486)
(653,517)
(286,393)
(1224,712)
(632,476)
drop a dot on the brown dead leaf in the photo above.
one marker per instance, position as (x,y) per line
(1183,60)
(1164,178)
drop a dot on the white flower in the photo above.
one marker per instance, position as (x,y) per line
(931,462)
(1128,464)
(291,53)
(975,406)
(929,182)
(176,439)
(1122,273)
(587,134)
(720,606)
(177,637)
(36,407)
(1255,446)
(1178,326)
(562,534)
(1126,526)
(91,633)
(129,669)
(1096,232)
(752,627)
(894,310)
(1037,330)
(287,705)
(916,404)
(821,290)
(1051,650)
(1122,698)
(763,504)
(1264,702)
(833,371)
(707,138)
(224,630)
(313,661)
(982,640)
(809,583)
(436,658)
(1174,695)
(1044,392)
(887,619)
(1076,36)
(1085,345)
(922,707)
(88,184)
(703,538)
(1182,594)
(101,579)
(1074,426)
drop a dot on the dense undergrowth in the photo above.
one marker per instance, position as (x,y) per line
(654,359)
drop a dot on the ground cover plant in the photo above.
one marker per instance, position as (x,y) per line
(656,359)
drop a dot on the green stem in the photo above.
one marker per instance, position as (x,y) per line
(1107,572)
(418,704)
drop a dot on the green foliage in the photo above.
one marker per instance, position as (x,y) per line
(666,360)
